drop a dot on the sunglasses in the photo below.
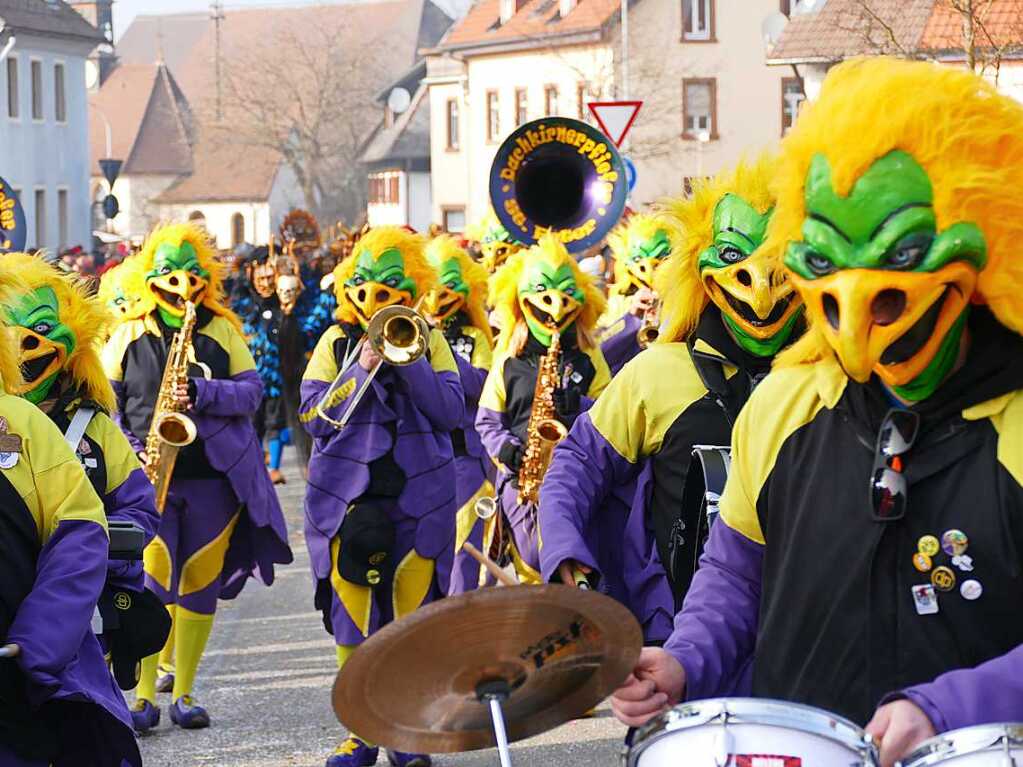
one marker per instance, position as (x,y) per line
(888,486)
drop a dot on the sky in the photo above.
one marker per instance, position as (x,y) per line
(126,10)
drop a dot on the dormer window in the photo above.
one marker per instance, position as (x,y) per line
(565,7)
(509,8)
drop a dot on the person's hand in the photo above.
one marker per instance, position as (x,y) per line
(899,727)
(568,569)
(567,402)
(182,396)
(510,455)
(643,301)
(656,683)
(143,458)
(368,358)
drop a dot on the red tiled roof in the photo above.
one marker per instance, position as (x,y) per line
(122,100)
(844,28)
(999,25)
(535,19)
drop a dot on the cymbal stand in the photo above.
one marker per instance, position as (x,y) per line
(493,692)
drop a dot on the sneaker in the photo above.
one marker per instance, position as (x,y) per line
(144,716)
(353,752)
(277,477)
(398,759)
(165,680)
(189,715)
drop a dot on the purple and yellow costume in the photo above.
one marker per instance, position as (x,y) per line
(222,521)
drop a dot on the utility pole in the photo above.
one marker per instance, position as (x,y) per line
(217,16)
(625,50)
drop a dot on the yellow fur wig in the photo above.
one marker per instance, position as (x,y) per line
(444,248)
(83,314)
(962,132)
(504,295)
(10,370)
(377,240)
(176,234)
(127,279)
(639,228)
(678,282)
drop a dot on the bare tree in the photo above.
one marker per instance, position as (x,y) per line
(306,96)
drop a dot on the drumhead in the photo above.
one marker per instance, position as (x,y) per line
(967,740)
(762,711)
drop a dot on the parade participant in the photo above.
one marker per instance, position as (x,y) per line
(495,242)
(869,540)
(456,306)
(222,520)
(58,700)
(301,231)
(726,310)
(639,246)
(539,295)
(381,500)
(282,323)
(122,289)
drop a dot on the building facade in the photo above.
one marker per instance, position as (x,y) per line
(44,128)
(698,66)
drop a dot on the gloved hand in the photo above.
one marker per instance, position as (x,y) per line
(567,402)
(510,455)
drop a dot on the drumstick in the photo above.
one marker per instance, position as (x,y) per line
(492,567)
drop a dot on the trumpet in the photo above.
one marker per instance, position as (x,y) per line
(399,335)
(649,331)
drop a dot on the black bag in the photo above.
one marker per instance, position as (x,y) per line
(367,544)
(135,626)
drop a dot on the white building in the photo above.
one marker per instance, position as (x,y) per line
(44,129)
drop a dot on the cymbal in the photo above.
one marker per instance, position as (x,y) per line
(558,651)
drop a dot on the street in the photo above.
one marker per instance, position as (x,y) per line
(266,681)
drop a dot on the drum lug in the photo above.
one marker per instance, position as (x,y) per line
(723,747)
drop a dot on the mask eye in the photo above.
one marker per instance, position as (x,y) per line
(819,264)
(42,328)
(392,282)
(731,255)
(908,252)
(356,280)
(539,288)
(165,270)
(449,285)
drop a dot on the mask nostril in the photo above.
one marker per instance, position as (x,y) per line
(28,343)
(888,306)
(382,295)
(744,278)
(830,310)
(547,300)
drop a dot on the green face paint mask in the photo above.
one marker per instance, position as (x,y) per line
(887,289)
(44,342)
(176,277)
(379,282)
(757,303)
(549,299)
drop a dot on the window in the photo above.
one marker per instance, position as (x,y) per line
(580,97)
(791,97)
(521,106)
(385,188)
(550,100)
(12,87)
(37,90)
(59,97)
(699,109)
(452,124)
(493,117)
(40,218)
(698,20)
(454,220)
(62,218)
(237,229)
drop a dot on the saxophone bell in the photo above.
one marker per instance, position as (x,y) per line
(176,429)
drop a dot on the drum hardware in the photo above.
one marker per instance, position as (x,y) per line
(984,744)
(528,659)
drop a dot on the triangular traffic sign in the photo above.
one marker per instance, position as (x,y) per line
(615,117)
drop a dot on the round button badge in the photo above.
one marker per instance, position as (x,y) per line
(943,578)
(921,562)
(971,589)
(954,542)
(928,545)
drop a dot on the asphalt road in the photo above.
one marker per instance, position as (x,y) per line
(266,681)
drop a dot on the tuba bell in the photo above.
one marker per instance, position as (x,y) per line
(560,175)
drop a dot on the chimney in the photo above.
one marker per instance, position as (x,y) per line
(565,7)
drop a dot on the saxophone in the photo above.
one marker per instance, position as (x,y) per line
(545,431)
(170,430)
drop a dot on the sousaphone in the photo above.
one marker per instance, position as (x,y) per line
(561,175)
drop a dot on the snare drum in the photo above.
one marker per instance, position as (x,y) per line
(750,732)
(986,745)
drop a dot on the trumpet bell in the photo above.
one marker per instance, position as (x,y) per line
(398,334)
(176,430)
(646,335)
(485,507)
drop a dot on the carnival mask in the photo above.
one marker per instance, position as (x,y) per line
(124,305)
(550,299)
(176,277)
(887,289)
(450,296)
(264,275)
(288,288)
(644,257)
(496,246)
(756,301)
(44,342)
(379,282)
